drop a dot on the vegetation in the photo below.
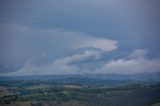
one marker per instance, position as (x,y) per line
(50,93)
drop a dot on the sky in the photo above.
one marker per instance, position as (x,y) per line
(50,37)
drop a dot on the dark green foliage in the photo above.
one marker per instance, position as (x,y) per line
(36,104)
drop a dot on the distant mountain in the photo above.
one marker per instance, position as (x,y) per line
(136,77)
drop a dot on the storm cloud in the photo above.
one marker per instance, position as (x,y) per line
(79,37)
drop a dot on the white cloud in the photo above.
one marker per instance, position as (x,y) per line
(102,44)
(80,57)
(139,53)
(60,66)
(139,63)
(136,63)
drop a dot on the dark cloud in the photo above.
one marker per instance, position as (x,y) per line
(132,23)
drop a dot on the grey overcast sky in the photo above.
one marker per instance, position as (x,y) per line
(45,37)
